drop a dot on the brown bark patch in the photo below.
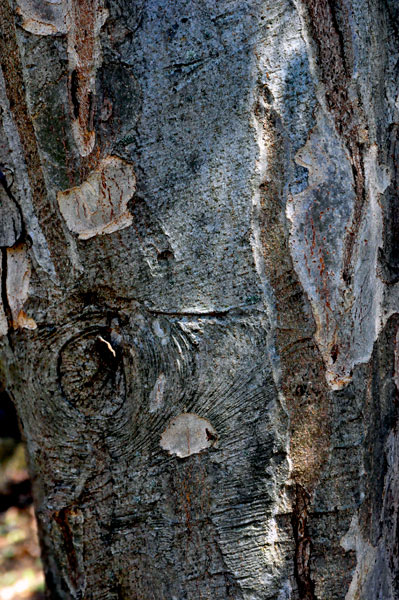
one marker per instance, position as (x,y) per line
(333,48)
(303,545)
(302,370)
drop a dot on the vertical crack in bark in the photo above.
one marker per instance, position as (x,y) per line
(61,518)
(389,254)
(360,200)
(4,297)
(74,93)
(48,217)
(332,5)
(18,234)
(303,545)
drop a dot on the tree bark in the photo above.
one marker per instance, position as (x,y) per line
(199,293)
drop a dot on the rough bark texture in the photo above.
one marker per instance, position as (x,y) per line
(199,293)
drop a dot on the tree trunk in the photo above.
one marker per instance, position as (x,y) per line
(199,285)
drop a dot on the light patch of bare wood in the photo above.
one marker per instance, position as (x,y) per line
(188,434)
(18,278)
(99,204)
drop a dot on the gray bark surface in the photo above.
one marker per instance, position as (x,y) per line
(199,293)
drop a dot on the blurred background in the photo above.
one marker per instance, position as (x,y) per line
(21,576)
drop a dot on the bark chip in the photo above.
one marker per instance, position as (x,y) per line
(188,434)
(99,204)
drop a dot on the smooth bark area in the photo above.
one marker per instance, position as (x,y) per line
(199,293)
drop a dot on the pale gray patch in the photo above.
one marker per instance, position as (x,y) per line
(348,317)
(161,333)
(42,17)
(365,554)
(156,395)
(285,592)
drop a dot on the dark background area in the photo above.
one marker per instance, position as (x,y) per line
(21,575)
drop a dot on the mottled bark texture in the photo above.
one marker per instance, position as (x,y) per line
(199,293)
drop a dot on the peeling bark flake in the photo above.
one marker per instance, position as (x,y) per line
(188,434)
(99,205)
(18,278)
